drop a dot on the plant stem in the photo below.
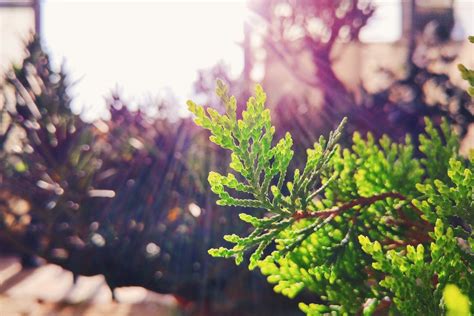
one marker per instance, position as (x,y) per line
(361,201)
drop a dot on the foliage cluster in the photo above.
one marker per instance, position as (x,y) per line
(368,228)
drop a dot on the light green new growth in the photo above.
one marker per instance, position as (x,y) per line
(367,228)
(411,270)
(261,170)
(457,303)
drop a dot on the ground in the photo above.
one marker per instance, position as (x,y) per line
(48,290)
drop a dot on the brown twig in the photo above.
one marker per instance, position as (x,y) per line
(361,201)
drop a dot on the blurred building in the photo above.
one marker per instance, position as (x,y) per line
(385,43)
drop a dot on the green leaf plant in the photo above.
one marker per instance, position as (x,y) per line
(373,228)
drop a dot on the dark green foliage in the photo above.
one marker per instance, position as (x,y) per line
(370,228)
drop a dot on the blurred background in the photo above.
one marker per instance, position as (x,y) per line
(104,202)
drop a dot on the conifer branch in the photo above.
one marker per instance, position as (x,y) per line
(318,239)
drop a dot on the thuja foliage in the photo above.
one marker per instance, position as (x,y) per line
(370,228)
(456,302)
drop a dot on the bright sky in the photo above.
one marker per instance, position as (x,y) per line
(142,47)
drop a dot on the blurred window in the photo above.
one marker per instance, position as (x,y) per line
(386,23)
(463,19)
(441,4)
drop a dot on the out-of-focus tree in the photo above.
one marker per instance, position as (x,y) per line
(298,29)
(295,29)
(307,37)
(124,198)
(425,90)
(83,183)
